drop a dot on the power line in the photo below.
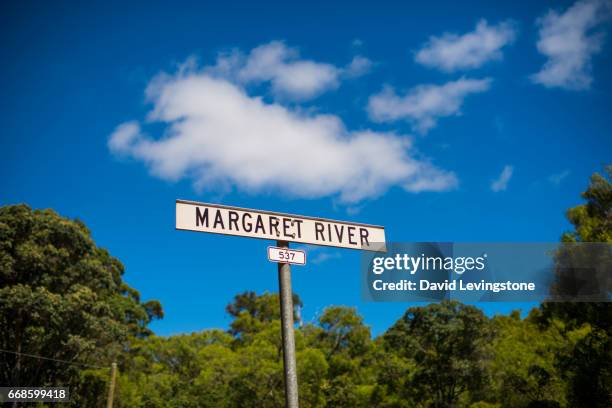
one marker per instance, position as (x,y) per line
(50,359)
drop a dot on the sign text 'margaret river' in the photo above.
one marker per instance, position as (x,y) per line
(280,227)
(277,226)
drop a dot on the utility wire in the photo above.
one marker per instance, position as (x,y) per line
(50,359)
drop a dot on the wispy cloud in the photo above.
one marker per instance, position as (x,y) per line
(501,182)
(290,76)
(423,105)
(354,210)
(316,255)
(322,257)
(568,41)
(557,178)
(451,52)
(356,43)
(358,66)
(221,137)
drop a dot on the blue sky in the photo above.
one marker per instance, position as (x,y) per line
(471,122)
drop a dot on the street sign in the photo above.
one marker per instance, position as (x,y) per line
(284,255)
(244,222)
(282,228)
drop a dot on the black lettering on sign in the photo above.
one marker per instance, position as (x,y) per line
(339,233)
(319,228)
(233,218)
(363,233)
(287,223)
(218,220)
(201,219)
(245,224)
(259,225)
(299,227)
(274,225)
(278,226)
(351,234)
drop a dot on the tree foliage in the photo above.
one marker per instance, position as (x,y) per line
(447,342)
(61,297)
(587,366)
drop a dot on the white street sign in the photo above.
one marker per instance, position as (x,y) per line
(284,255)
(222,219)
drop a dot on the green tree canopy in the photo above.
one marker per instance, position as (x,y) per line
(592,223)
(61,297)
(251,312)
(593,220)
(587,366)
(447,342)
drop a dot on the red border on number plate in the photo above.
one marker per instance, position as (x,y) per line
(286,249)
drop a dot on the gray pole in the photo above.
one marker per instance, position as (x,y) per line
(286,303)
(111,387)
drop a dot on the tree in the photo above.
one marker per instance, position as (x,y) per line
(447,341)
(188,370)
(61,297)
(258,381)
(593,220)
(345,341)
(343,331)
(588,367)
(394,375)
(592,223)
(523,368)
(252,311)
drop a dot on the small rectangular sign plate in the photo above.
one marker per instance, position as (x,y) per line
(284,255)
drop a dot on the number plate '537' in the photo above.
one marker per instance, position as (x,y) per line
(284,255)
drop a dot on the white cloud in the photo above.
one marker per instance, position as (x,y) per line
(123,136)
(359,66)
(316,255)
(219,136)
(557,178)
(569,44)
(501,183)
(322,257)
(424,104)
(290,77)
(451,52)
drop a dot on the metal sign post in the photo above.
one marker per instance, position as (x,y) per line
(287,325)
